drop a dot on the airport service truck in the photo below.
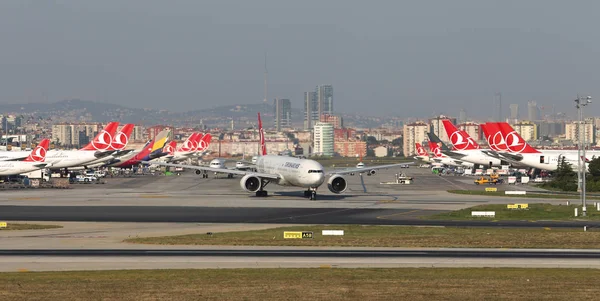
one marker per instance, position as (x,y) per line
(39,174)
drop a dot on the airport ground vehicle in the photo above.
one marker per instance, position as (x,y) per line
(83,179)
(489,181)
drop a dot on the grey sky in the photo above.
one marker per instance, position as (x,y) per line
(405,58)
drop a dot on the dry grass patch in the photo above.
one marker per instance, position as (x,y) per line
(395,236)
(17,226)
(304,284)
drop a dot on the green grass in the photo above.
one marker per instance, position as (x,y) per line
(534,212)
(528,195)
(17,226)
(305,284)
(394,236)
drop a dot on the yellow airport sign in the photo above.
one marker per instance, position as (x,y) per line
(491,189)
(3,225)
(297,234)
(517,206)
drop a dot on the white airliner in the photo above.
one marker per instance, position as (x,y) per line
(286,171)
(466,149)
(118,144)
(512,147)
(440,157)
(63,159)
(35,160)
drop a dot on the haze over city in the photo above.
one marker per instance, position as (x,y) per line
(388,57)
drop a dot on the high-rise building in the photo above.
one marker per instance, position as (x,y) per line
(532,111)
(527,129)
(337,121)
(414,133)
(572,131)
(311,110)
(437,127)
(283,113)
(514,112)
(323,139)
(462,116)
(497,105)
(472,129)
(325,99)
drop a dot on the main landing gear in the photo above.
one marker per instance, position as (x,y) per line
(261,192)
(311,194)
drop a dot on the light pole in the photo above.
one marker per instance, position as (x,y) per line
(579,103)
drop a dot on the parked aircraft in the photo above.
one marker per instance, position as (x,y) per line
(35,160)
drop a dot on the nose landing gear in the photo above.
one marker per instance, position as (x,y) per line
(311,194)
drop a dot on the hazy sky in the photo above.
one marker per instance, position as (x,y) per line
(404,58)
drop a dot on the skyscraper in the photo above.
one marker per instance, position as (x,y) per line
(325,99)
(283,113)
(311,110)
(532,111)
(462,116)
(514,112)
(323,139)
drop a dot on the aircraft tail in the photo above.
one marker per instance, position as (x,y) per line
(170,148)
(435,148)
(104,139)
(514,142)
(459,138)
(121,139)
(38,154)
(204,142)
(421,150)
(190,143)
(261,132)
(160,140)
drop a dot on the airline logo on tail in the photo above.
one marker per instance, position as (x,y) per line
(421,150)
(460,139)
(122,138)
(494,137)
(263,147)
(191,143)
(435,149)
(514,142)
(103,140)
(170,148)
(204,142)
(160,140)
(38,154)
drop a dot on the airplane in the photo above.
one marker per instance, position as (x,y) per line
(437,147)
(118,144)
(285,171)
(63,159)
(151,150)
(422,154)
(512,147)
(466,149)
(35,160)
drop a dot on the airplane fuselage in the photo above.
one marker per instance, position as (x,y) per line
(292,171)
(9,168)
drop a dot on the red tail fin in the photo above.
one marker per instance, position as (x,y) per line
(514,142)
(38,154)
(190,144)
(170,148)
(121,139)
(204,142)
(435,149)
(263,147)
(460,139)
(495,137)
(420,150)
(103,140)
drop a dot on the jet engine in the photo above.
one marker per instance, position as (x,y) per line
(371,172)
(198,171)
(337,184)
(251,183)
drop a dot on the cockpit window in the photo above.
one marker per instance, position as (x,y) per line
(315,171)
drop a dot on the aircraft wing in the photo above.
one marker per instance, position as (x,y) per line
(228,171)
(102,154)
(452,154)
(513,157)
(364,169)
(41,165)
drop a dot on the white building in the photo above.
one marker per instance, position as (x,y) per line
(380,151)
(323,139)
(571,131)
(414,133)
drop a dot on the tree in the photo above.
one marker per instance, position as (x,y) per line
(564,177)
(371,140)
(397,142)
(594,169)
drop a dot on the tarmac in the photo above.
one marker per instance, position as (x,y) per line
(101,216)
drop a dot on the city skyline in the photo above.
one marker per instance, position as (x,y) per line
(383,60)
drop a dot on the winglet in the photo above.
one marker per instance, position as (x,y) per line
(38,154)
(261,132)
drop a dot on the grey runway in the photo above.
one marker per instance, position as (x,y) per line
(262,215)
(443,253)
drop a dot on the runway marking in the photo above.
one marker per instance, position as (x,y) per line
(400,213)
(27,199)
